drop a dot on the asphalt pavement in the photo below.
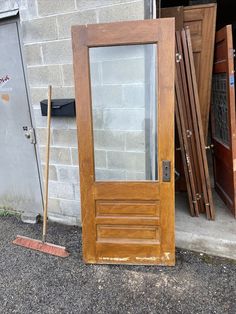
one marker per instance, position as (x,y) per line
(33,282)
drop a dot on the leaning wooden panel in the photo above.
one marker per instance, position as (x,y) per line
(129,222)
(223,118)
(189,119)
(200,143)
(201,19)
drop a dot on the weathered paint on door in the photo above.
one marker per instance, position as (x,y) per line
(19,177)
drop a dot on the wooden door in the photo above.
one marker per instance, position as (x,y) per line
(201,20)
(223,118)
(124,80)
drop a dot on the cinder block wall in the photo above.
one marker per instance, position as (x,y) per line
(46,29)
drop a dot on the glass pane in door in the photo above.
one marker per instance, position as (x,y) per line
(124,109)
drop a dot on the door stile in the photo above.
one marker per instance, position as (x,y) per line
(225,155)
(166,79)
(84,127)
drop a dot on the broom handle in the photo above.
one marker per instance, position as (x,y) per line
(45,207)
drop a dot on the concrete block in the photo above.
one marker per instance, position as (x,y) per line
(135,141)
(60,122)
(52,7)
(68,74)
(58,155)
(65,220)
(74,155)
(110,140)
(32,54)
(76,192)
(39,30)
(126,161)
(107,96)
(109,175)
(98,119)
(68,174)
(70,208)
(56,52)
(52,172)
(126,71)
(99,54)
(65,21)
(39,93)
(60,190)
(64,137)
(41,135)
(28,10)
(135,176)
(134,96)
(90,4)
(53,205)
(40,121)
(72,123)
(29,217)
(123,12)
(100,158)
(95,74)
(122,119)
(44,75)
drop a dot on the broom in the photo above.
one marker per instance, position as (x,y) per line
(38,245)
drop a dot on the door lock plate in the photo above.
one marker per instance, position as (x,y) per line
(166,170)
(30,134)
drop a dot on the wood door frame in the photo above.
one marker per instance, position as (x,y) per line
(126,33)
(226,66)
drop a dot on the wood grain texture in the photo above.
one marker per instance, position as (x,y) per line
(201,20)
(225,155)
(114,213)
(189,124)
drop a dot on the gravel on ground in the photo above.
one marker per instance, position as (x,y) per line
(33,282)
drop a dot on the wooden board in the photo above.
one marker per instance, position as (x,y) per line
(201,20)
(189,125)
(223,118)
(177,13)
(126,222)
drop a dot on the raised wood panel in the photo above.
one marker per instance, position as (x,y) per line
(121,253)
(194,13)
(128,234)
(126,208)
(127,190)
(195,26)
(145,220)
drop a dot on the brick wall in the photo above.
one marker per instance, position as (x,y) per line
(46,33)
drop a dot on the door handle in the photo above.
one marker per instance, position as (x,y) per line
(166,165)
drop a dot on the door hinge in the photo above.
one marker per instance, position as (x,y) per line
(30,134)
(166,165)
(232,53)
(178,57)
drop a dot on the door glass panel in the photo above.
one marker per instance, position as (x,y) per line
(220,108)
(123,89)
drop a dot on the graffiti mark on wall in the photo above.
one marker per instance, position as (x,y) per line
(5,98)
(4,79)
(4,95)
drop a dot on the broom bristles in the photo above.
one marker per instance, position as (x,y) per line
(44,247)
